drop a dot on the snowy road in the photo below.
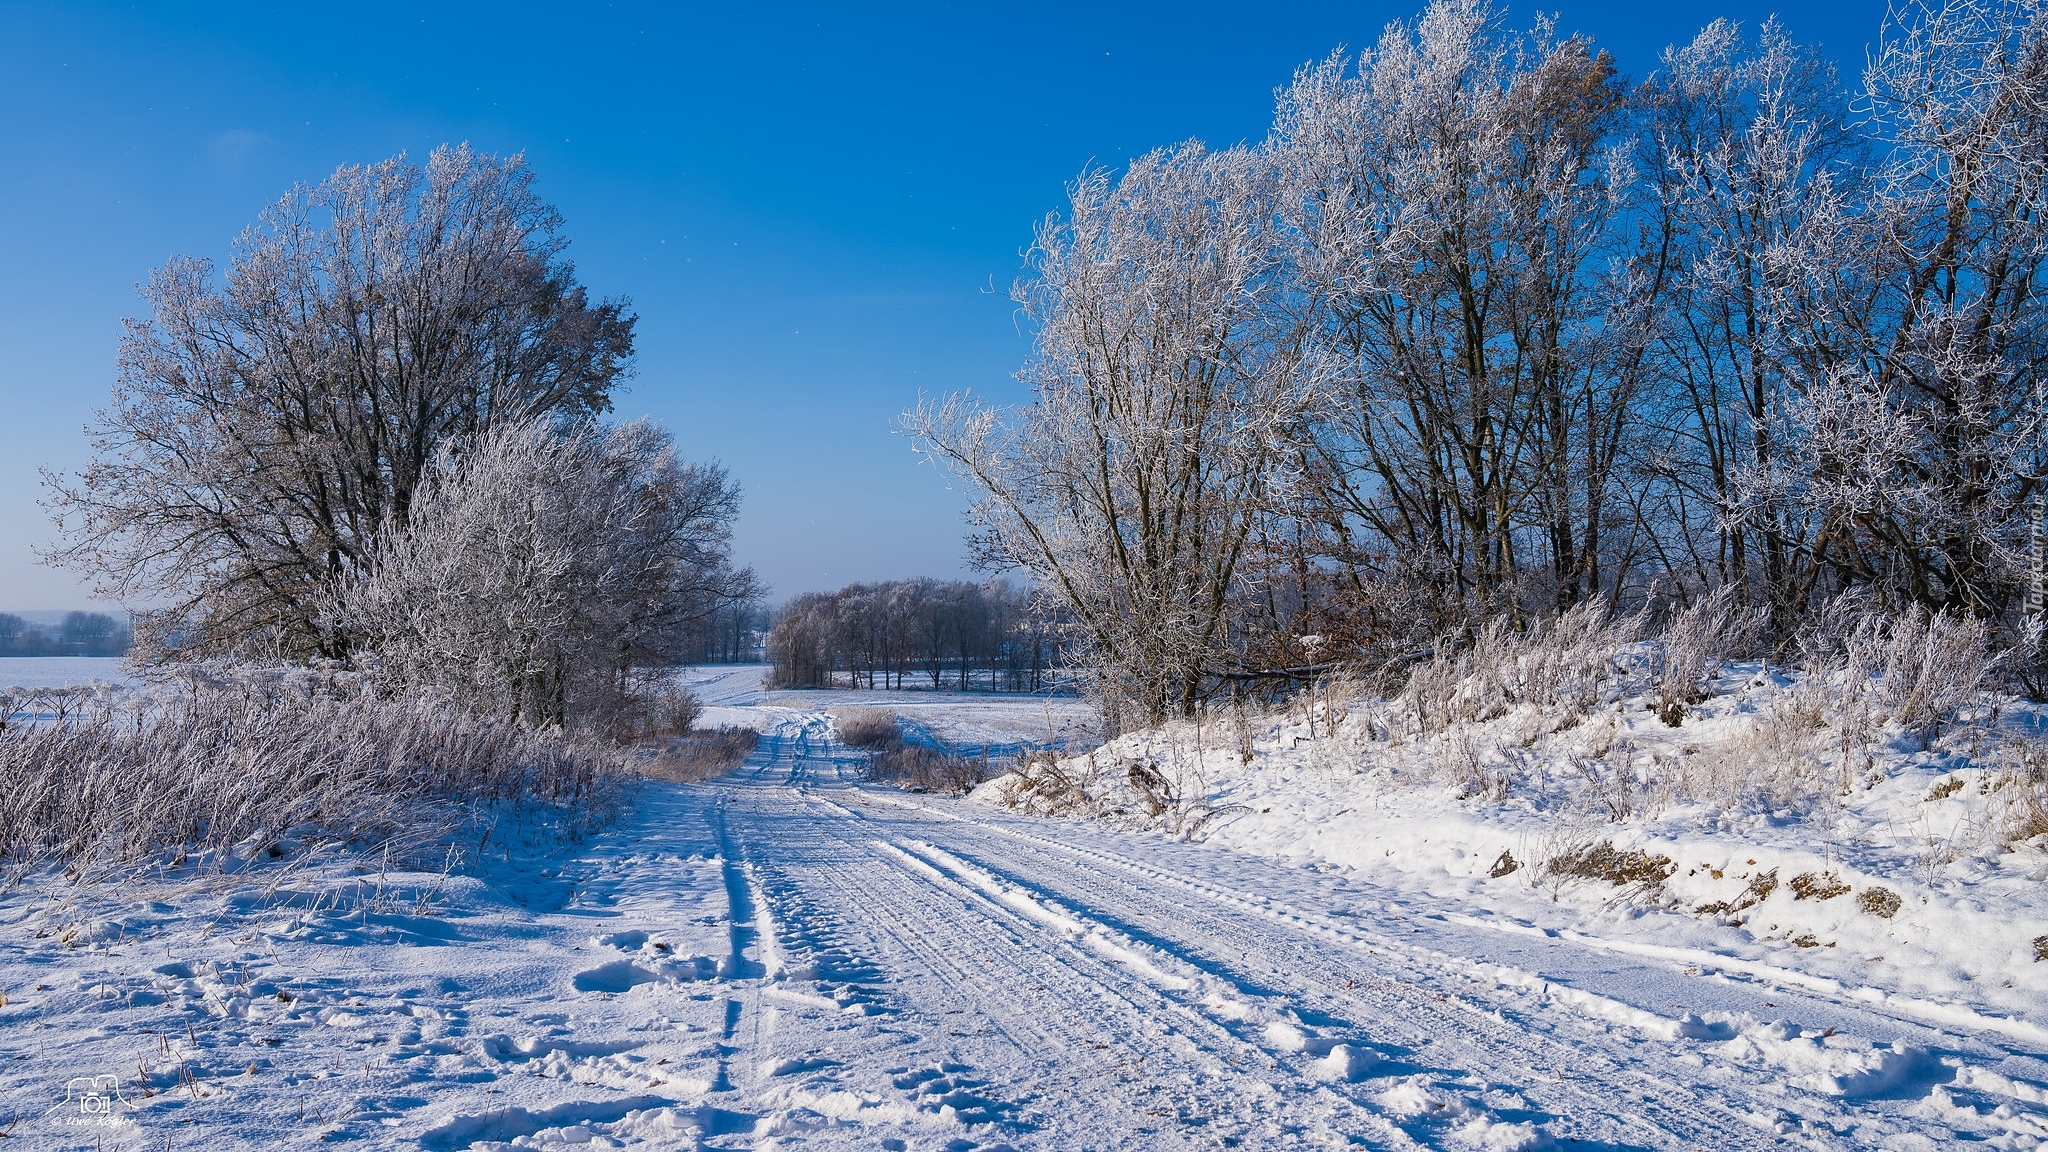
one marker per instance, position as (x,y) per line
(1062,986)
(787,958)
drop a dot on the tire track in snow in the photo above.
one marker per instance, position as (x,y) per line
(1476,1035)
(1658,1110)
(1273,952)
(740,975)
(1197,995)
(925,933)
(1013,988)
(1080,1001)
(1212,1020)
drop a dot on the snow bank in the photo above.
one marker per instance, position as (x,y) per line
(1750,838)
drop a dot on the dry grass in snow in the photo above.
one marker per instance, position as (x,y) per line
(868,728)
(258,765)
(1877,814)
(697,756)
(913,767)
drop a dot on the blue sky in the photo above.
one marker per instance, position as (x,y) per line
(816,210)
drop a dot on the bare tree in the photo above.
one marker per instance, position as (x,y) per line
(1915,436)
(731,634)
(1747,145)
(979,634)
(1164,381)
(264,430)
(1459,226)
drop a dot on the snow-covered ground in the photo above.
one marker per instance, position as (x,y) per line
(57,671)
(967,722)
(1900,888)
(787,958)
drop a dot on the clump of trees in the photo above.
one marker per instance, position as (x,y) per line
(735,632)
(266,429)
(543,570)
(379,440)
(1485,328)
(80,634)
(927,633)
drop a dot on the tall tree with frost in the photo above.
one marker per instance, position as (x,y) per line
(1164,382)
(1916,435)
(1454,208)
(264,430)
(1483,329)
(1746,145)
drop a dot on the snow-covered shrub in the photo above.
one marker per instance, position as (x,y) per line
(1461,763)
(1823,636)
(1435,690)
(916,767)
(676,710)
(1564,663)
(1476,765)
(1696,641)
(1777,761)
(1241,730)
(1907,668)
(2020,790)
(1154,781)
(1921,668)
(869,728)
(1610,783)
(1046,785)
(538,566)
(653,708)
(259,764)
(1570,661)
(921,768)
(1757,891)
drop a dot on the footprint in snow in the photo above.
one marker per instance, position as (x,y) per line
(950,1092)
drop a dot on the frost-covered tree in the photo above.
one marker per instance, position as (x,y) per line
(540,567)
(1457,214)
(1483,328)
(263,429)
(1915,436)
(1164,382)
(1748,149)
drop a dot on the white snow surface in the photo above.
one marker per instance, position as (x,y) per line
(1962,946)
(1000,722)
(59,671)
(786,957)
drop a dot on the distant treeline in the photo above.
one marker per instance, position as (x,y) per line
(81,634)
(943,634)
(734,632)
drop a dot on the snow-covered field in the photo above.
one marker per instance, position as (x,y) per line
(57,671)
(788,958)
(968,722)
